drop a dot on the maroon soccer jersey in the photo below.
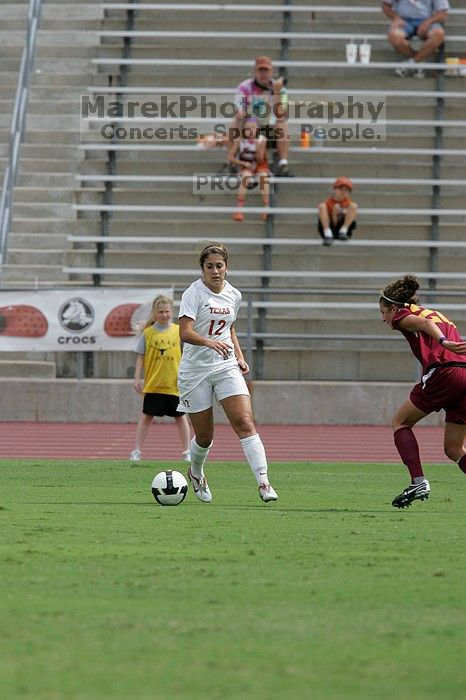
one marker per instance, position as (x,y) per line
(427,350)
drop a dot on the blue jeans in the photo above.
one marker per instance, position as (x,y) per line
(411,26)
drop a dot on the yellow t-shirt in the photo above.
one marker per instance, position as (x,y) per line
(161,360)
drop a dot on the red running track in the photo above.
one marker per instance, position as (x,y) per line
(325,443)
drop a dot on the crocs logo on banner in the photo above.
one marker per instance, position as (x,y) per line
(76,315)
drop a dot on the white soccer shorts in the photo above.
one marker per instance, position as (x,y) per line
(197,393)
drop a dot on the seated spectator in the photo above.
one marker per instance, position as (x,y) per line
(248,153)
(337,215)
(410,18)
(265,98)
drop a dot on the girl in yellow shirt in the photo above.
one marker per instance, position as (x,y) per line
(159,354)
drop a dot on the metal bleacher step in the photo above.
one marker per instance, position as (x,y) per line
(54,152)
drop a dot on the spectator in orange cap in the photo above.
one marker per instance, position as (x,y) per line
(337,215)
(265,98)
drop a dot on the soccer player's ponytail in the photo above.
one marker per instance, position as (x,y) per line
(401,291)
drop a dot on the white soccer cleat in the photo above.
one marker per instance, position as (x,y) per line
(414,492)
(135,456)
(201,489)
(267,493)
(187,456)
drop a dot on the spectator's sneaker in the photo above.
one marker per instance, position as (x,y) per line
(407,68)
(419,73)
(200,487)
(135,456)
(284,171)
(238,216)
(327,240)
(267,493)
(229,168)
(342,236)
(186,456)
(412,493)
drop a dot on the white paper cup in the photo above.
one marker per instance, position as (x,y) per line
(365,53)
(351,53)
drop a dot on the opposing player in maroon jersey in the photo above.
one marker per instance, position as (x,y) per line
(436,343)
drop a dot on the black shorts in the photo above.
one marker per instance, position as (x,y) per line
(336,228)
(161,405)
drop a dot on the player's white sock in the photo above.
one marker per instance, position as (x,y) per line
(343,230)
(328,232)
(255,454)
(198,457)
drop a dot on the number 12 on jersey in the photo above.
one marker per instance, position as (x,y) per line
(216,327)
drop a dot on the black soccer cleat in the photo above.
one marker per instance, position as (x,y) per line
(412,493)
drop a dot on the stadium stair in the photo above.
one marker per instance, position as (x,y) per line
(51,157)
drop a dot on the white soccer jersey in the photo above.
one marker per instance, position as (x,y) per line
(213,316)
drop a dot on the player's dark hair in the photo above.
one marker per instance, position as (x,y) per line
(401,291)
(215,249)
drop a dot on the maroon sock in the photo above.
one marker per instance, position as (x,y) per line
(406,444)
(462,463)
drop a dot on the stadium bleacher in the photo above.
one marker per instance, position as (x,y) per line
(124,213)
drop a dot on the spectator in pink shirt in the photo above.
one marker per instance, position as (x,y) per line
(265,98)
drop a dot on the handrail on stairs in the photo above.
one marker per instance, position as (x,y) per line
(17,126)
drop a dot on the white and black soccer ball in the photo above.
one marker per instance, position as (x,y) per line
(169,488)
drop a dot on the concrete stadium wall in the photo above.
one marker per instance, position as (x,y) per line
(279,403)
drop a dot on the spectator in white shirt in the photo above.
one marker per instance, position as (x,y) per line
(415,18)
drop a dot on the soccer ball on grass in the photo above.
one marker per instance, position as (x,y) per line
(169,488)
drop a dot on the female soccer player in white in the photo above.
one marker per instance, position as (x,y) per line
(213,365)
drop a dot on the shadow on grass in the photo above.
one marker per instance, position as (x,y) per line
(302,510)
(89,503)
(215,507)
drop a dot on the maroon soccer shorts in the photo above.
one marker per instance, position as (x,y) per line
(445,388)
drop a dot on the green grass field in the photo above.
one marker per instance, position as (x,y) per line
(329,593)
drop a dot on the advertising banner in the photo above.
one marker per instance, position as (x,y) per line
(92,318)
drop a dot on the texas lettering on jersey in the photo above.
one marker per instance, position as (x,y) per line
(213,310)
(213,316)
